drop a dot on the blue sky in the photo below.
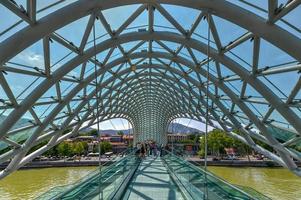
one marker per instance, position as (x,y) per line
(122,124)
(33,56)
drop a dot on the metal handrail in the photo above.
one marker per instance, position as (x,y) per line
(211,175)
(105,172)
(89,175)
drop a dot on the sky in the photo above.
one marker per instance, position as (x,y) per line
(122,124)
(33,56)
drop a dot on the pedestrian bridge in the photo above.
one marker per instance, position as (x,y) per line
(166,177)
(66,66)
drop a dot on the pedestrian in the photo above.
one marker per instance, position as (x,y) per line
(155,150)
(161,150)
(138,146)
(147,148)
(142,150)
(151,149)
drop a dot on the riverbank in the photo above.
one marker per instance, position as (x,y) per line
(236,163)
(277,183)
(63,163)
(108,161)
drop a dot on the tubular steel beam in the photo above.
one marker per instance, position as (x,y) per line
(260,87)
(45,27)
(19,11)
(274,34)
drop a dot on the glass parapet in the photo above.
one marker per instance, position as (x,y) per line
(198,183)
(102,183)
(280,133)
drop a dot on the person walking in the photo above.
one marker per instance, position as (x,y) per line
(151,149)
(138,146)
(142,150)
(155,150)
(147,149)
(161,150)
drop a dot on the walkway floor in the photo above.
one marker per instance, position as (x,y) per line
(152,182)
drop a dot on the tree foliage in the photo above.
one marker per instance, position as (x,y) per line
(68,149)
(92,132)
(218,140)
(120,133)
(105,146)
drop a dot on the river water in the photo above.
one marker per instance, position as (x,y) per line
(31,183)
(279,184)
(276,183)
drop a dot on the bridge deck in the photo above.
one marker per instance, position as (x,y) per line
(152,181)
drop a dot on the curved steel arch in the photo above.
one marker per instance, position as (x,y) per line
(163,96)
(260,87)
(279,162)
(45,26)
(90,95)
(275,101)
(272,33)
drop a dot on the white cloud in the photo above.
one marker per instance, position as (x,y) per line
(30,58)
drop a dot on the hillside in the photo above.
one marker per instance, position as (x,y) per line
(173,128)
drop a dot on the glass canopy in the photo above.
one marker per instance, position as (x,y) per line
(66,64)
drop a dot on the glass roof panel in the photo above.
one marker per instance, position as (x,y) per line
(116,16)
(271,55)
(184,16)
(227,31)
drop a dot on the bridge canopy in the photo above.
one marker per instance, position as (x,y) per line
(67,65)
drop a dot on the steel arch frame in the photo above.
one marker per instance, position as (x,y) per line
(258,86)
(260,150)
(81,8)
(37,31)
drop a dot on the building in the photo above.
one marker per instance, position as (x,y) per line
(178,137)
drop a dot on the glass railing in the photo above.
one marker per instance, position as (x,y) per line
(99,184)
(281,133)
(255,194)
(201,184)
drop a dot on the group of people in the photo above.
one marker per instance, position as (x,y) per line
(150,148)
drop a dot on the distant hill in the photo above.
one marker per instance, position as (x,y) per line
(173,128)
(20,123)
(114,132)
(21,135)
(180,128)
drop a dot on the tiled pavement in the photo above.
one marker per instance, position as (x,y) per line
(152,182)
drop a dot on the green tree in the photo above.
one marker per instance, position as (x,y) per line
(78,148)
(86,147)
(187,141)
(36,147)
(52,152)
(64,149)
(120,133)
(93,132)
(218,140)
(194,137)
(105,146)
